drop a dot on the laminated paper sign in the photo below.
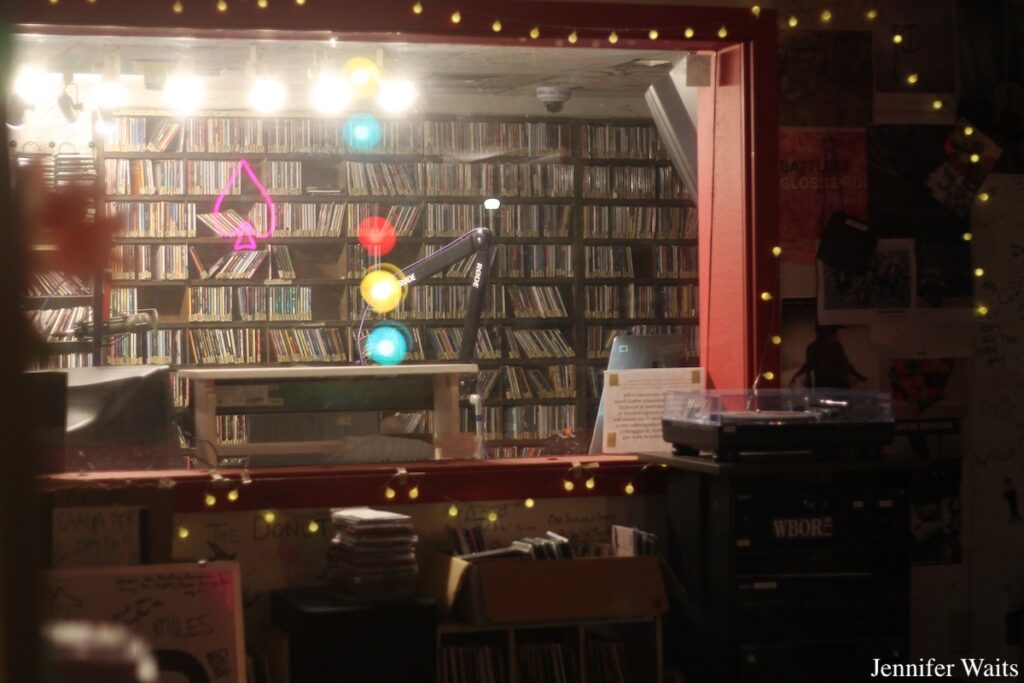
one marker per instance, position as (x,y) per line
(634,402)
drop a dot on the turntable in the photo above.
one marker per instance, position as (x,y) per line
(728,423)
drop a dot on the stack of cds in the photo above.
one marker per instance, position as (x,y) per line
(374,554)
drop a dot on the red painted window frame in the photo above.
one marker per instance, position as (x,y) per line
(736,263)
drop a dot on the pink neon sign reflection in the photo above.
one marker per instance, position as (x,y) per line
(246,231)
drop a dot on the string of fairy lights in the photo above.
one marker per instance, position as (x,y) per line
(579,476)
(403,486)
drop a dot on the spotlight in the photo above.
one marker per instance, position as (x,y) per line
(184,93)
(105,125)
(267,95)
(17,111)
(30,86)
(396,96)
(331,93)
(363,74)
(109,93)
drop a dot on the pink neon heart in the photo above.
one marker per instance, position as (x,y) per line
(245,239)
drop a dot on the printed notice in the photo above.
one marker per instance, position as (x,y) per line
(634,402)
(96,536)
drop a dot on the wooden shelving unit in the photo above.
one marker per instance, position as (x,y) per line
(627,152)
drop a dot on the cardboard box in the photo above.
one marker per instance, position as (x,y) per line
(508,591)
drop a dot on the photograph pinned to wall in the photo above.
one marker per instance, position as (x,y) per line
(945,279)
(969,158)
(821,171)
(885,291)
(919,67)
(825,78)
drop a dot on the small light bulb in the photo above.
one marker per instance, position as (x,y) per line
(417,8)
(262,4)
(653,34)
(979,272)
(826,16)
(793,21)
(722,32)
(982,310)
(177,7)
(897,38)
(222,6)
(529,502)
(233,495)
(492,516)
(983,196)
(182,532)
(975,158)
(776,339)
(269,516)
(453,511)
(591,483)
(568,485)
(776,251)
(496,26)
(937,104)
(300,2)
(313,526)
(389,492)
(871,14)
(688,32)
(630,489)
(54,2)
(768,375)
(456,17)
(911,79)
(414,493)
(967,237)
(968,131)
(573,37)
(210,500)
(613,37)
(756,10)
(535,33)
(766,296)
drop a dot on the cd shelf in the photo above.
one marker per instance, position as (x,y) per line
(593,224)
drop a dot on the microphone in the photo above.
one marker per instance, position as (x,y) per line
(122,324)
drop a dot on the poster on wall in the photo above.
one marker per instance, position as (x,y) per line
(887,289)
(821,171)
(825,78)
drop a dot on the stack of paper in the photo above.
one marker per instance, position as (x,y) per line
(374,554)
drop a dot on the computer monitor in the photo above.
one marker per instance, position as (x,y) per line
(121,418)
(632,352)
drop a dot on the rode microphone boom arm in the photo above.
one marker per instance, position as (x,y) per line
(479,243)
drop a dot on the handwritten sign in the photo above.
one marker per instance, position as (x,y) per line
(96,536)
(190,614)
(634,403)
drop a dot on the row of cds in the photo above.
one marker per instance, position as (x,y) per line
(177,177)
(536,344)
(54,283)
(639,222)
(603,141)
(334,219)
(640,301)
(150,262)
(537,422)
(556,381)
(631,182)
(431,178)
(328,136)
(535,260)
(447,341)
(307,345)
(55,324)
(608,261)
